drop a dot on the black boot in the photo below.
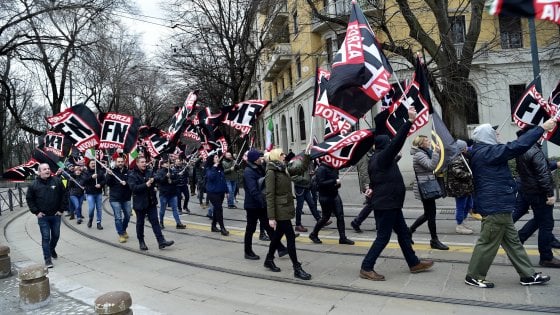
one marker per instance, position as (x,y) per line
(165,244)
(215,229)
(346,241)
(251,256)
(143,245)
(436,244)
(300,273)
(314,238)
(269,263)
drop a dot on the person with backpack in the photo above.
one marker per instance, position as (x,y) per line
(460,185)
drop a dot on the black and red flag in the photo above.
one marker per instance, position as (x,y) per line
(322,108)
(243,116)
(360,71)
(554,98)
(417,94)
(55,143)
(80,124)
(539,9)
(118,131)
(213,142)
(179,121)
(342,151)
(21,172)
(154,140)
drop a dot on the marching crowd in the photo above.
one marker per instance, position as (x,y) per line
(478,177)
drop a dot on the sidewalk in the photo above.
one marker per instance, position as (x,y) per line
(204,273)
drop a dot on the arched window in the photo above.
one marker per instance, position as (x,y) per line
(301,118)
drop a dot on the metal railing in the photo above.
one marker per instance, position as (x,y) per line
(11,197)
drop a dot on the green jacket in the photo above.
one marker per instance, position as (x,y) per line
(229,169)
(279,195)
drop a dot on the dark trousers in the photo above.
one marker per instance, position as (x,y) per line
(151,213)
(387,221)
(330,205)
(543,221)
(50,233)
(283,227)
(254,215)
(183,191)
(304,195)
(216,199)
(429,215)
(364,213)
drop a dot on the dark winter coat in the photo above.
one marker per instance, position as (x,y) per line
(48,196)
(90,182)
(534,172)
(385,178)
(326,177)
(167,180)
(215,180)
(118,192)
(143,197)
(254,198)
(495,189)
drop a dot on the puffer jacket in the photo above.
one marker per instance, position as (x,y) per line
(534,172)
(303,179)
(279,195)
(90,182)
(495,189)
(423,166)
(48,196)
(459,177)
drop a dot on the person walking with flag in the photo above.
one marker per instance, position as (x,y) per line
(495,191)
(388,193)
(216,189)
(94,180)
(119,197)
(424,161)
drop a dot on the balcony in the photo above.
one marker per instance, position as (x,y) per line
(341,9)
(276,23)
(280,56)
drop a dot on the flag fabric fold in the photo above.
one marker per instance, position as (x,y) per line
(80,124)
(342,151)
(243,116)
(539,9)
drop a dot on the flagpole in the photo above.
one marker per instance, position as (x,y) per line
(65,173)
(107,169)
(242,146)
(344,174)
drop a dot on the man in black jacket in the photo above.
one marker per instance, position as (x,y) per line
(144,202)
(119,197)
(388,193)
(48,199)
(537,189)
(328,184)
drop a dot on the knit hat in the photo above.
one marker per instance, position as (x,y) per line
(253,155)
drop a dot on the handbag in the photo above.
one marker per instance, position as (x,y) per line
(429,189)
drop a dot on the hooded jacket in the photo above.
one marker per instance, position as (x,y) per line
(495,189)
(385,178)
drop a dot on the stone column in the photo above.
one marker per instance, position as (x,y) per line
(5,262)
(115,303)
(34,287)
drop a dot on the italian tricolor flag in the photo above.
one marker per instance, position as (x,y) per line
(269,134)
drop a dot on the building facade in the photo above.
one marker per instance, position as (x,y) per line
(501,68)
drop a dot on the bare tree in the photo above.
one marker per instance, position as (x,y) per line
(450,65)
(214,48)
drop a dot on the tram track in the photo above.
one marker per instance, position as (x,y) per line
(314,284)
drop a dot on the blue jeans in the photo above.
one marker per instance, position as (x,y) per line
(121,210)
(231,186)
(302,195)
(95,202)
(50,233)
(387,221)
(462,205)
(172,202)
(543,221)
(76,202)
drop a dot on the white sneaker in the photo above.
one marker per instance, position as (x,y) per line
(461,229)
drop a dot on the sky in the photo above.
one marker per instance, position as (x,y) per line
(149,22)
